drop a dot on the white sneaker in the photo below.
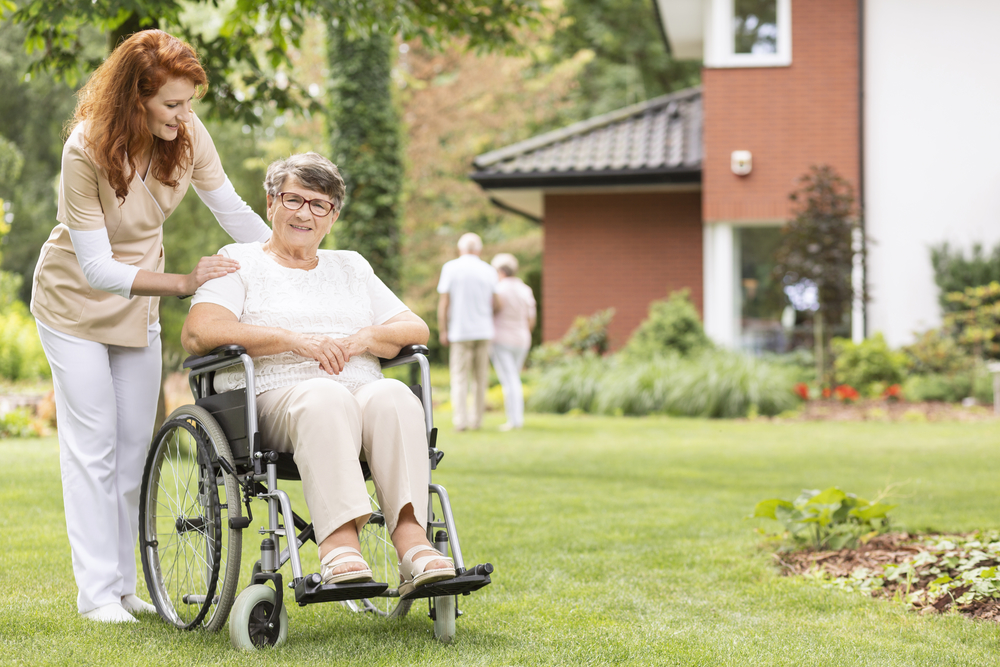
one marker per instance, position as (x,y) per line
(109,613)
(136,605)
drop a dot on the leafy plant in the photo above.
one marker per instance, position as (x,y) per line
(716,384)
(587,335)
(863,364)
(954,271)
(673,325)
(21,354)
(946,571)
(975,319)
(936,352)
(19,423)
(829,519)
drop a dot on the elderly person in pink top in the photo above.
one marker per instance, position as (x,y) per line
(512,324)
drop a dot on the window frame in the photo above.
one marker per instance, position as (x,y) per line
(720,49)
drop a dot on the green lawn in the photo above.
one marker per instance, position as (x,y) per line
(615,541)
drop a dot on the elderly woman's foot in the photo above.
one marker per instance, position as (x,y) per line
(422,565)
(344,565)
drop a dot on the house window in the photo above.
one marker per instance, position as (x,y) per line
(755,26)
(749,33)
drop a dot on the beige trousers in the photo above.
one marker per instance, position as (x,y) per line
(469,364)
(328,429)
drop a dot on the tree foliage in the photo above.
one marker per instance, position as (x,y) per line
(256,38)
(817,244)
(629,62)
(366,144)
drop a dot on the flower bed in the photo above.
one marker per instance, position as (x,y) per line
(928,573)
(877,409)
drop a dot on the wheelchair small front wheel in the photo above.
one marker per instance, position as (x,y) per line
(248,626)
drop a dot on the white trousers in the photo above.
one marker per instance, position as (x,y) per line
(508,362)
(105,408)
(469,366)
(327,429)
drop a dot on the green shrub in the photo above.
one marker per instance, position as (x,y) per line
(714,384)
(587,335)
(829,519)
(864,364)
(673,325)
(955,272)
(937,387)
(975,319)
(19,423)
(21,354)
(570,385)
(936,352)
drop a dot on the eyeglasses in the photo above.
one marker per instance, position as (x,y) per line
(293,202)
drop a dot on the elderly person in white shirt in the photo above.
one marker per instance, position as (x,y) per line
(465,322)
(316,322)
(513,322)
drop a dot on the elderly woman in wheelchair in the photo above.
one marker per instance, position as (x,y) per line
(315,323)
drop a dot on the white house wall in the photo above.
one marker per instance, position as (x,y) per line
(932,148)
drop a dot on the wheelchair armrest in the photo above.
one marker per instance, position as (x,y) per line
(405,356)
(221,352)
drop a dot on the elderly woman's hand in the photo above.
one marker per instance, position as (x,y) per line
(331,353)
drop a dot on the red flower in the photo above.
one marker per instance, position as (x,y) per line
(826,392)
(802,390)
(846,393)
(893,393)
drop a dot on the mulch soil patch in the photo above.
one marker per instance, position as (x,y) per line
(889,549)
(883,410)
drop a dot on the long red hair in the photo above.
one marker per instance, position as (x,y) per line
(113,104)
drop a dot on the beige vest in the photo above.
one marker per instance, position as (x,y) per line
(62,298)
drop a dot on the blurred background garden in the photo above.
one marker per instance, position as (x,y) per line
(449,94)
(725,308)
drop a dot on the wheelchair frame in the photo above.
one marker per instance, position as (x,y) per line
(231,465)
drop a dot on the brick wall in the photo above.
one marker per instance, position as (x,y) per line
(618,249)
(789,117)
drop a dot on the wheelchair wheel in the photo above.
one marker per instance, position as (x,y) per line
(190,555)
(378,552)
(248,627)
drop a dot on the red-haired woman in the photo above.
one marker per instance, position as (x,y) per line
(134,148)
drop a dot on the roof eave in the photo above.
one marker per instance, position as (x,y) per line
(552,179)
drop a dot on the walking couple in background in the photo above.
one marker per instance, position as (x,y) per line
(485,312)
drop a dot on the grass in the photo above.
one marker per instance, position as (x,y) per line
(615,540)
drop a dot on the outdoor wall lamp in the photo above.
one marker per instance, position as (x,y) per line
(741,162)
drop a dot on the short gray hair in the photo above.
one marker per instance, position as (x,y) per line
(470,243)
(505,262)
(312,171)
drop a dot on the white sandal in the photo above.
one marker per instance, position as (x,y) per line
(337,557)
(414,575)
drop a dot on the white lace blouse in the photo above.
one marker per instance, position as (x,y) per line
(339,297)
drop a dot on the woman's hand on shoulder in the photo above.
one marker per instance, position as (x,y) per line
(208,268)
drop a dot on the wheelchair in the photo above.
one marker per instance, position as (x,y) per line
(205,466)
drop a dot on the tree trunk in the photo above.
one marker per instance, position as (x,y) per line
(820,347)
(130,26)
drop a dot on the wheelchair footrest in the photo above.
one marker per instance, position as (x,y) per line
(311,589)
(471,580)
